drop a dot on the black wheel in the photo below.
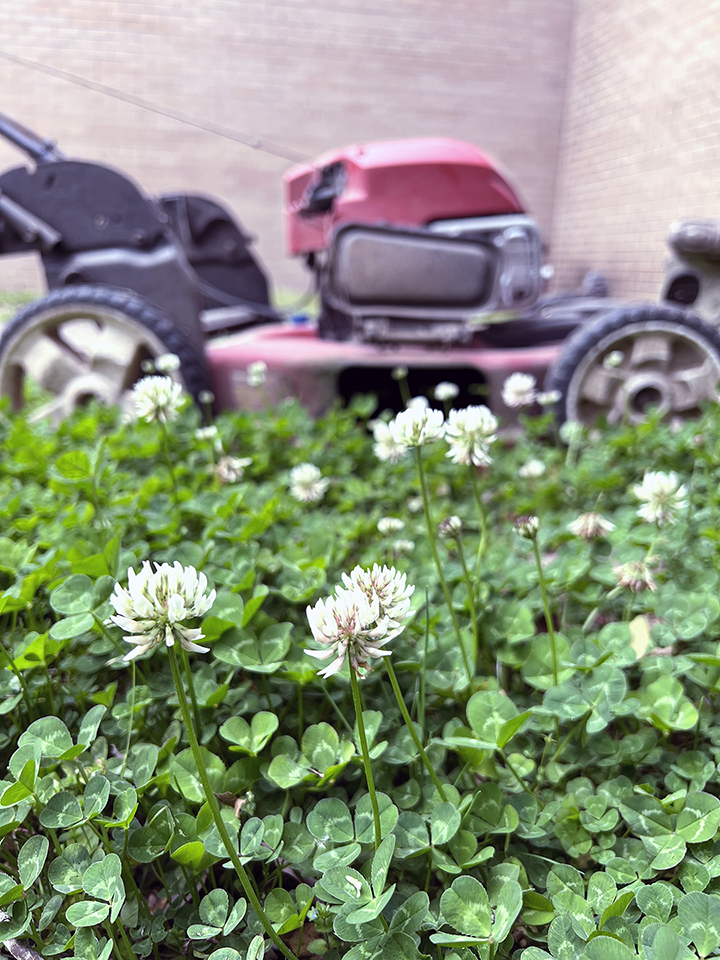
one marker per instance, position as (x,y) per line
(634,358)
(83,341)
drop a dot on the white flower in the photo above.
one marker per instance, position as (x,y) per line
(527,527)
(446,391)
(399,372)
(231,469)
(307,484)
(531,469)
(662,494)
(613,359)
(417,403)
(519,390)
(206,397)
(417,426)
(469,432)
(387,525)
(256,373)
(386,448)
(450,528)
(571,432)
(443,490)
(157,398)
(206,433)
(156,602)
(636,575)
(591,525)
(401,547)
(549,397)
(167,363)
(388,587)
(360,618)
(415,504)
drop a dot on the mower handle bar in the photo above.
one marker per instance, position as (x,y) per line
(42,151)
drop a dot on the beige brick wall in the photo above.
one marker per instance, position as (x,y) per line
(641,137)
(309,74)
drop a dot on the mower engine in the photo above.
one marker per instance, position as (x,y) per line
(412,241)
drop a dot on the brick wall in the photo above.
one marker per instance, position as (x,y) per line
(641,138)
(307,74)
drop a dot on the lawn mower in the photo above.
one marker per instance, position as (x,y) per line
(423,256)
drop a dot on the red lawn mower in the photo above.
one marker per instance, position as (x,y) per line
(423,256)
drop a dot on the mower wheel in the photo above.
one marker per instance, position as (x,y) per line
(84,342)
(631,359)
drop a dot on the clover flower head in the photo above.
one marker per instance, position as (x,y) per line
(418,403)
(531,470)
(206,433)
(519,390)
(157,398)
(256,373)
(469,433)
(231,469)
(662,494)
(450,528)
(549,398)
(386,447)
(386,585)
(571,432)
(362,616)
(445,390)
(443,490)
(590,525)
(387,525)
(156,602)
(400,547)
(206,397)
(167,363)
(417,426)
(635,575)
(307,484)
(399,372)
(613,359)
(415,504)
(527,527)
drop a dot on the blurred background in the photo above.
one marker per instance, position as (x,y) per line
(604,113)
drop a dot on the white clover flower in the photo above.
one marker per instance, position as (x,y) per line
(256,373)
(531,470)
(443,490)
(307,484)
(387,525)
(362,616)
(401,547)
(417,403)
(662,494)
(415,504)
(446,391)
(206,433)
(549,397)
(388,587)
(157,398)
(450,528)
(155,604)
(206,397)
(635,575)
(591,525)
(519,390)
(386,447)
(571,432)
(469,433)
(417,426)
(167,363)
(527,527)
(147,366)
(399,372)
(231,469)
(613,359)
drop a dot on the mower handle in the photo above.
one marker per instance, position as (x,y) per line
(42,151)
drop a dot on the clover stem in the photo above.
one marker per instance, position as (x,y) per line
(215,810)
(411,728)
(165,444)
(191,688)
(546,608)
(482,520)
(365,755)
(131,717)
(436,558)
(471,599)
